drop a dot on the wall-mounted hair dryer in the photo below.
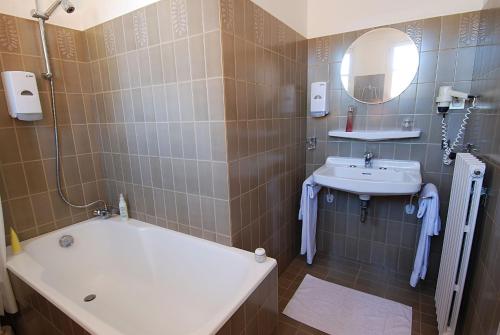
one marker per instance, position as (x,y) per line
(448,98)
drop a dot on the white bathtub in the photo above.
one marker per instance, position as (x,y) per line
(148,280)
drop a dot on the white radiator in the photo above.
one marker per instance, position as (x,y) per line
(462,212)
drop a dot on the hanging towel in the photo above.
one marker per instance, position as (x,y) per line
(428,212)
(308,213)
(7,299)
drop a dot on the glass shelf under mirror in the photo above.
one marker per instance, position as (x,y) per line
(376,135)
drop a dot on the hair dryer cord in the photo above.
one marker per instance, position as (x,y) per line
(447,147)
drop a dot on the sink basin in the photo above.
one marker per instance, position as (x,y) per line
(385,177)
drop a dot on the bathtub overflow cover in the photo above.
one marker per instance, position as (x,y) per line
(66,241)
(89,298)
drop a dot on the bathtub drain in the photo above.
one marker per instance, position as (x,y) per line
(66,241)
(89,298)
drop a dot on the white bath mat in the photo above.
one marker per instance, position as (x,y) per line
(339,310)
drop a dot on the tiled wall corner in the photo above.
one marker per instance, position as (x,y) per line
(480,312)
(27,158)
(447,47)
(264,69)
(151,105)
(259,314)
(159,120)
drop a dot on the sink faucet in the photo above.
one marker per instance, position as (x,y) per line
(368,156)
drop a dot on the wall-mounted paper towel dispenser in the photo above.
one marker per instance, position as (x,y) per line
(22,96)
(318,99)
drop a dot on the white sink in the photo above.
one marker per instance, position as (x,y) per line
(385,177)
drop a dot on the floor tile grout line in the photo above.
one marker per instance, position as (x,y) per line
(407,295)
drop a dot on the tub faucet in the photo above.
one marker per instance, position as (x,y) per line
(368,156)
(104,213)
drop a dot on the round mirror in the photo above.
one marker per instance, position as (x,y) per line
(379,65)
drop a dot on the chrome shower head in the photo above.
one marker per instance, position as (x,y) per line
(68,6)
(65,4)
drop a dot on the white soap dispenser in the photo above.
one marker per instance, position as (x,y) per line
(123,208)
(22,96)
(318,99)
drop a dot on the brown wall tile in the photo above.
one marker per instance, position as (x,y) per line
(253,146)
(438,39)
(157,136)
(482,291)
(27,143)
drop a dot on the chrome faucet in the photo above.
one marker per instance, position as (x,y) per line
(368,156)
(104,213)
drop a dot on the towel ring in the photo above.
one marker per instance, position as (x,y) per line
(419,196)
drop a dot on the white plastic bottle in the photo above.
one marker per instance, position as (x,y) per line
(123,208)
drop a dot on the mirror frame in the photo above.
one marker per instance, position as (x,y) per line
(357,40)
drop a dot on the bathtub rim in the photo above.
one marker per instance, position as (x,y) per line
(30,272)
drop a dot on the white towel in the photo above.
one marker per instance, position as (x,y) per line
(308,213)
(428,211)
(7,299)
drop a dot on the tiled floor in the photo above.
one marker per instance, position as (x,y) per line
(362,277)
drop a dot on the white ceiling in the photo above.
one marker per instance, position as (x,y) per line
(326,17)
(311,18)
(88,13)
(315,18)
(292,12)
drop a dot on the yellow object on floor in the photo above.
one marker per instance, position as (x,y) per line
(14,242)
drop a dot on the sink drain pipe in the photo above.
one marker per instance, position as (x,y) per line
(364,202)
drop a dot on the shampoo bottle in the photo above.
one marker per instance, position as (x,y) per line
(14,242)
(350,121)
(123,208)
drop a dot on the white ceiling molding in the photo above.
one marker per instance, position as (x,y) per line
(88,13)
(311,18)
(292,12)
(327,17)
(316,18)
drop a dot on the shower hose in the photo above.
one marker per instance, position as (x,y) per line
(58,155)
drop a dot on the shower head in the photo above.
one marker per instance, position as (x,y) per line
(68,6)
(65,4)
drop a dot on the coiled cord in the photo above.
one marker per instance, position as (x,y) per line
(447,148)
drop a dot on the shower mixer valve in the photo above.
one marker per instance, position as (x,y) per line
(105,213)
